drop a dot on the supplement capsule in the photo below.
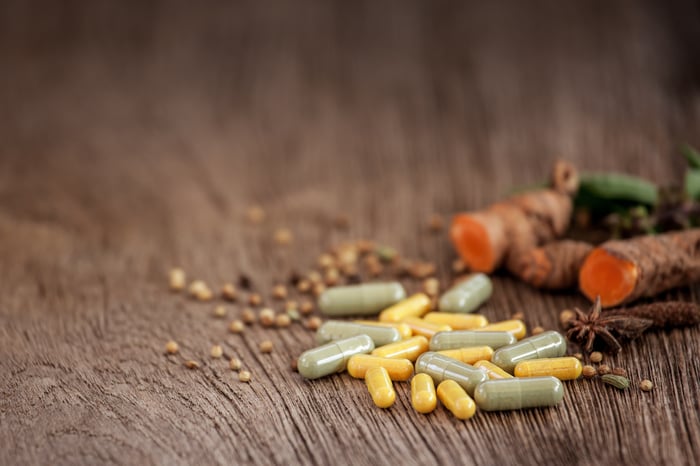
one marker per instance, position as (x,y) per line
(456,399)
(566,368)
(549,344)
(404,330)
(415,306)
(457,321)
(423,396)
(467,295)
(398,369)
(332,357)
(469,355)
(441,367)
(467,338)
(516,327)
(505,394)
(380,387)
(339,330)
(424,328)
(365,299)
(409,349)
(493,371)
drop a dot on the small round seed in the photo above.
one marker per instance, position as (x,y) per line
(565,318)
(216,351)
(596,357)
(375,269)
(619,371)
(220,311)
(283,320)
(646,385)
(421,269)
(235,364)
(315,277)
(255,214)
(255,299)
(341,222)
(279,292)
(313,323)
(236,326)
(304,286)
(291,305)
(436,223)
(267,317)
(200,291)
(178,279)
(266,346)
(604,369)
(578,356)
(326,261)
(318,289)
(537,330)
(229,292)
(431,286)
(520,315)
(458,266)
(172,347)
(283,237)
(190,364)
(589,371)
(307,307)
(248,316)
(364,246)
(293,315)
(331,277)
(244,376)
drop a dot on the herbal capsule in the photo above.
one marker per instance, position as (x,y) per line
(398,369)
(516,327)
(466,338)
(365,299)
(545,345)
(567,368)
(456,399)
(409,349)
(457,321)
(467,295)
(469,355)
(380,387)
(505,394)
(404,330)
(339,330)
(415,306)
(423,396)
(441,367)
(332,357)
(424,328)
(493,371)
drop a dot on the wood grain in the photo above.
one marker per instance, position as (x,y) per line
(135,136)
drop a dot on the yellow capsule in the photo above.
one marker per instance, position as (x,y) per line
(456,399)
(409,349)
(516,327)
(404,329)
(424,328)
(566,368)
(380,387)
(423,397)
(414,306)
(493,371)
(469,355)
(457,321)
(398,369)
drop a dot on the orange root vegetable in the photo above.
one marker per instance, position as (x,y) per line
(622,271)
(507,230)
(554,266)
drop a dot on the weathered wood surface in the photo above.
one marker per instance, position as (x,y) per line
(134,137)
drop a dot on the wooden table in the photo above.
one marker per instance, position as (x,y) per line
(134,138)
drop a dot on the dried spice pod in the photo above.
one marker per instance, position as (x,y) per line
(554,266)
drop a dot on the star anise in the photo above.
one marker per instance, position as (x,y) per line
(585,328)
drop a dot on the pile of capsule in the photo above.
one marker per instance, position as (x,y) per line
(471,362)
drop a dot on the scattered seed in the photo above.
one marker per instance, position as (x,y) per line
(245,282)
(347,255)
(364,246)
(318,289)
(604,369)
(294,364)
(172,347)
(341,222)
(313,323)
(325,261)
(255,299)
(283,320)
(619,371)
(520,315)
(216,351)
(589,371)
(578,356)
(236,326)
(436,223)
(304,286)
(458,266)
(315,277)
(200,291)
(190,364)
(307,307)
(293,315)
(566,317)
(267,317)
(646,385)
(255,214)
(349,270)
(266,346)
(331,277)
(283,237)
(596,357)
(220,311)
(420,269)
(248,316)
(229,292)
(291,304)
(178,279)
(616,381)
(279,292)
(385,254)
(431,286)
(244,376)
(235,364)
(537,330)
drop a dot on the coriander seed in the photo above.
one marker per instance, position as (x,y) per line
(244,376)
(315,277)
(306,307)
(266,346)
(589,371)
(520,315)
(291,305)
(279,292)
(267,317)
(190,364)
(646,385)
(458,266)
(220,311)
(325,261)
(619,371)
(229,292)
(236,326)
(431,286)
(172,347)
(578,356)
(565,318)
(420,269)
(248,316)
(200,291)
(313,323)
(235,364)
(318,289)
(537,330)
(283,320)
(304,286)
(178,279)
(596,357)
(216,351)
(283,237)
(331,277)
(255,299)
(255,214)
(604,369)
(436,223)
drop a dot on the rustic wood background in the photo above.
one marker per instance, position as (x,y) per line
(134,135)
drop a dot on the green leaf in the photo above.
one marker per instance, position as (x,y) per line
(618,187)
(691,156)
(692,183)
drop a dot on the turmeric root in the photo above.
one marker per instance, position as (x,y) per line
(622,271)
(554,266)
(508,229)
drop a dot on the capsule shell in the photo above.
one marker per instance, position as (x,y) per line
(455,399)
(424,328)
(332,357)
(404,330)
(514,326)
(414,306)
(398,369)
(467,338)
(423,396)
(549,344)
(364,299)
(380,387)
(338,330)
(457,321)
(507,394)
(469,355)
(441,367)
(493,371)
(566,368)
(409,349)
(467,295)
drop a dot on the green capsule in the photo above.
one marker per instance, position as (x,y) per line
(467,338)
(332,357)
(441,367)
(467,295)
(506,394)
(545,345)
(365,299)
(339,330)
